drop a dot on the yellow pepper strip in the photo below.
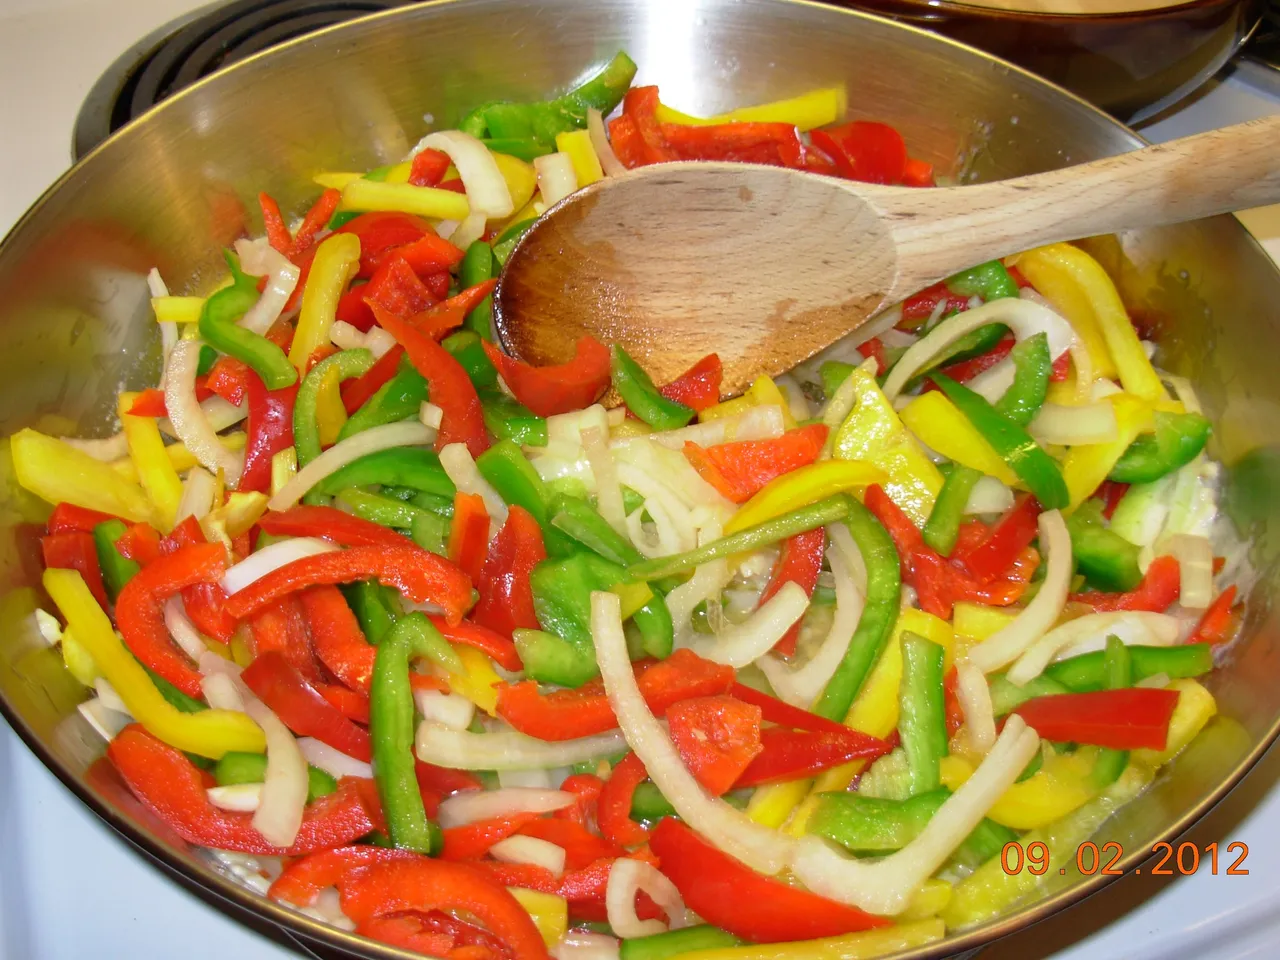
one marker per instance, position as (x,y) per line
(629,428)
(586,165)
(399,173)
(633,596)
(284,465)
(1087,465)
(873,432)
(332,180)
(330,412)
(801,487)
(177,309)
(59,473)
(765,392)
(210,733)
(851,946)
(773,803)
(369,195)
(336,262)
(550,914)
(1049,270)
(155,471)
(941,427)
(78,660)
(1060,786)
(1195,708)
(477,680)
(529,211)
(178,454)
(930,900)
(236,516)
(237,651)
(817,108)
(974,622)
(521,178)
(726,408)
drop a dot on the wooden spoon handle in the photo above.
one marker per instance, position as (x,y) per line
(939,232)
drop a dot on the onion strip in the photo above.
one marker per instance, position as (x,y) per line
(1088,633)
(609,161)
(746,642)
(463,808)
(188,417)
(271,557)
(608,488)
(282,277)
(975,701)
(1195,568)
(507,749)
(285,786)
(534,850)
(182,629)
(482,178)
(1072,425)
(462,470)
(627,878)
(407,433)
(332,761)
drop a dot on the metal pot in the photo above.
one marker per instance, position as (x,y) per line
(173,188)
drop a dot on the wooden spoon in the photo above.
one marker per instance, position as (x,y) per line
(766,266)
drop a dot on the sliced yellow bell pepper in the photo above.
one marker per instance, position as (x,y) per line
(336,262)
(331,414)
(521,178)
(238,515)
(726,408)
(79,660)
(1048,269)
(817,108)
(633,596)
(1087,465)
(399,173)
(178,454)
(284,467)
(764,392)
(334,180)
(1060,786)
(873,432)
(941,427)
(477,681)
(371,195)
(59,473)
(773,803)
(629,428)
(851,946)
(586,165)
(974,622)
(155,470)
(802,487)
(210,733)
(1195,708)
(930,900)
(177,309)
(550,914)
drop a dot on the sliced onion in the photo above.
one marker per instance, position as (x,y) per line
(975,701)
(271,557)
(188,418)
(676,514)
(218,412)
(346,337)
(840,404)
(797,403)
(556,177)
(750,640)
(609,161)
(448,709)
(462,470)
(106,449)
(627,878)
(107,723)
(197,494)
(481,177)
(759,423)
(258,258)
(1010,642)
(182,629)
(221,691)
(608,489)
(988,495)
(706,583)
(567,428)
(238,797)
(407,433)
(377,341)
(1184,391)
(333,761)
(730,830)
(1195,568)
(168,331)
(469,230)
(507,749)
(110,699)
(583,945)
(155,283)
(1071,425)
(463,808)
(429,415)
(1088,633)
(1156,681)
(668,539)
(285,786)
(533,850)
(673,473)
(886,886)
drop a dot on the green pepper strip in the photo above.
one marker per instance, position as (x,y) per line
(1024,456)
(391,733)
(505,243)
(1118,666)
(376,608)
(235,768)
(551,659)
(1087,671)
(1177,440)
(176,697)
(673,943)
(833,373)
(973,344)
(398,399)
(884,583)
(1108,560)
(218,327)
(833,508)
(510,473)
(1032,368)
(581,521)
(397,467)
(1007,695)
(465,347)
(602,92)
(943,526)
(657,631)
(306,432)
(562,591)
(387,511)
(922,722)
(526,148)
(641,396)
(508,419)
(990,281)
(478,266)
(208,357)
(117,569)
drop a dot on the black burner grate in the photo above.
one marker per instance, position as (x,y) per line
(187,50)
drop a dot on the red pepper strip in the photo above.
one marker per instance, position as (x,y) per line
(427,885)
(775,144)
(773,710)
(738,470)
(1010,536)
(302,708)
(559,389)
(354,706)
(800,754)
(966,370)
(395,287)
(587,786)
(331,524)
(440,318)
(569,714)
(725,892)
(864,150)
(1156,593)
(582,847)
(506,596)
(408,931)
(228,379)
(76,551)
(281,627)
(451,388)
(470,942)
(613,809)
(302,258)
(1216,622)
(626,141)
(800,561)
(920,306)
(954,710)
(303,880)
(431,254)
(494,645)
(150,402)
(873,349)
(204,602)
(381,232)
(1131,718)
(140,615)
(68,518)
(140,543)
(172,788)
(316,219)
(469,533)
(268,430)
(454,185)
(1061,369)
(356,393)
(473,840)
(699,386)
(427,681)
(716,737)
(428,168)
(274,225)
(337,638)
(1110,492)
(641,104)
(442,780)
(918,173)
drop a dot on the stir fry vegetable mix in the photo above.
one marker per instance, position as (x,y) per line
(502,666)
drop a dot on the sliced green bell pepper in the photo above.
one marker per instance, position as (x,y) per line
(551,659)
(990,281)
(1088,671)
(374,606)
(655,627)
(400,398)
(1108,560)
(675,943)
(219,328)
(306,431)
(581,521)
(387,511)
(1032,368)
(117,569)
(478,266)
(399,466)
(465,347)
(1007,695)
(1177,440)
(508,419)
(235,768)
(506,242)
(1118,668)
(642,397)
(943,526)
(922,722)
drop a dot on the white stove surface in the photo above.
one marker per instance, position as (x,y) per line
(70,888)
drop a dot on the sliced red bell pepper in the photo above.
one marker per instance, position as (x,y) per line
(443,780)
(381,232)
(966,370)
(336,637)
(469,941)
(727,893)
(1008,538)
(585,891)
(699,386)
(1216,622)
(1061,368)
(716,737)
(451,389)
(172,787)
(1157,592)
(800,754)
(411,932)
(952,707)
(921,306)
(282,627)
(356,393)
(873,349)
(918,173)
(228,379)
(205,603)
(506,596)
(354,706)
(613,809)
(569,714)
(150,402)
(472,841)
(581,847)
(559,389)
(439,319)
(740,469)
(626,141)
(303,880)
(640,105)
(1110,492)
(315,220)
(1130,718)
(775,144)
(428,168)
(454,185)
(587,787)
(332,524)
(76,551)
(302,258)
(394,287)
(268,430)
(301,707)
(494,645)
(469,533)
(273,224)
(418,574)
(411,885)
(430,254)
(800,562)
(864,150)
(140,610)
(68,518)
(784,714)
